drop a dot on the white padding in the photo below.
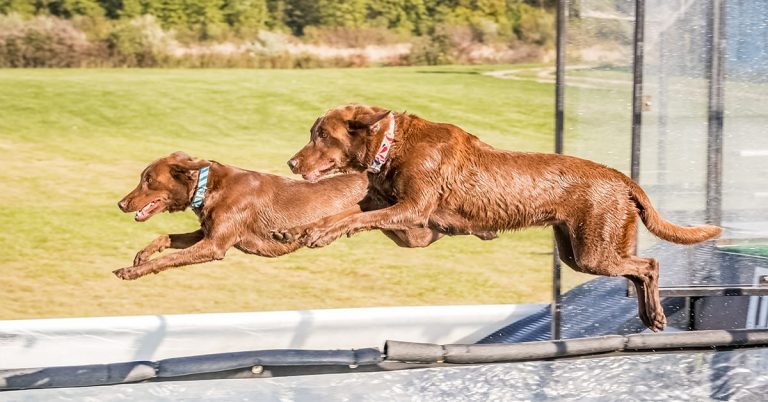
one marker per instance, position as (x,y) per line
(76,341)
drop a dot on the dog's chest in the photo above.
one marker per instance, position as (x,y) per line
(381,186)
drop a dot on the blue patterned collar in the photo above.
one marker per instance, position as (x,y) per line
(202,183)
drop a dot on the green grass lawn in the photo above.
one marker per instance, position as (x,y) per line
(73,142)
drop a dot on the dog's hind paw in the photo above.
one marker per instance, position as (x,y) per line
(654,321)
(486,235)
(659,323)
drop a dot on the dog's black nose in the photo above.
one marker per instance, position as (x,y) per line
(122,205)
(293,163)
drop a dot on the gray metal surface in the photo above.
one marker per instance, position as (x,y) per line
(600,307)
(730,375)
(704,290)
(704,265)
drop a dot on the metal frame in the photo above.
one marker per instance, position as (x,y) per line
(559,124)
(637,89)
(715,108)
(704,290)
(716,96)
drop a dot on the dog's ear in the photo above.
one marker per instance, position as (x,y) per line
(367,123)
(182,164)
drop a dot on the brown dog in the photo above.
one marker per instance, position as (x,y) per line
(239,207)
(438,176)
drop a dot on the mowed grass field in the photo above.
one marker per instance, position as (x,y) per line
(73,142)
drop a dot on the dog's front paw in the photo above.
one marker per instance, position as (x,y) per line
(286,236)
(128,274)
(142,257)
(315,238)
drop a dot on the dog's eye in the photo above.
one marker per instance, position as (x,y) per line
(149,180)
(322,134)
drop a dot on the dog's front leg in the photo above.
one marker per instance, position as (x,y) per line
(203,251)
(176,241)
(401,217)
(298,232)
(417,202)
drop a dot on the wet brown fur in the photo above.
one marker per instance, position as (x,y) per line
(240,209)
(441,177)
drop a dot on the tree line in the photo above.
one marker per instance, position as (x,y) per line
(207,19)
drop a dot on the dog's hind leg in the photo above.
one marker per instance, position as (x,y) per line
(644,295)
(603,245)
(564,246)
(646,281)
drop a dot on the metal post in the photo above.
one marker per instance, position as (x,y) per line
(637,89)
(556,307)
(637,103)
(559,120)
(715,106)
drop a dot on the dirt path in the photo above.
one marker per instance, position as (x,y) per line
(546,75)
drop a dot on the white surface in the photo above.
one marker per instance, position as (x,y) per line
(74,341)
(754,152)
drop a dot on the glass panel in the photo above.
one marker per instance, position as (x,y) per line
(745,142)
(599,81)
(678,55)
(598,93)
(673,165)
(674,162)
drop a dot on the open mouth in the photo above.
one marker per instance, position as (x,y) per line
(312,176)
(148,210)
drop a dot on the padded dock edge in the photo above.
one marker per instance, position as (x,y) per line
(118,373)
(497,353)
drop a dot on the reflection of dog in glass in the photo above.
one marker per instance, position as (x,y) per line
(438,176)
(237,208)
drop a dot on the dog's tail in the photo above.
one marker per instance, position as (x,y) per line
(664,228)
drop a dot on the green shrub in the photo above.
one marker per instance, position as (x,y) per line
(41,42)
(532,25)
(140,42)
(429,50)
(230,33)
(352,37)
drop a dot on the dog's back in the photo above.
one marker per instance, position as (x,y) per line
(505,190)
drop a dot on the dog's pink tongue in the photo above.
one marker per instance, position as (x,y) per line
(141,214)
